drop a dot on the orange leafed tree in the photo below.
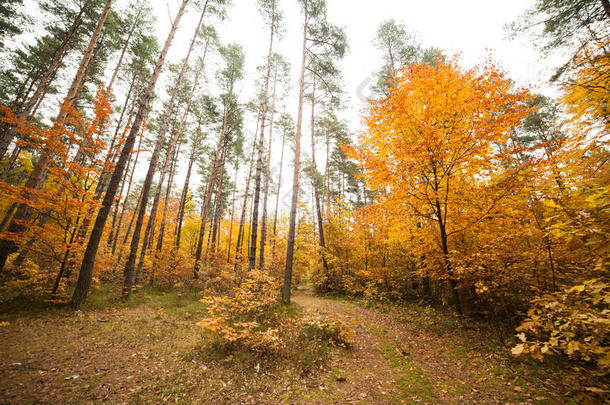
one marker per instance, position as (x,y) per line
(436,150)
(62,204)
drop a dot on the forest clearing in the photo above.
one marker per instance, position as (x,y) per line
(304,201)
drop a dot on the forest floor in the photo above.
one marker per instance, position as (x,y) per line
(150,351)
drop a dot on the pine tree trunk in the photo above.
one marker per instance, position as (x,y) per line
(316,194)
(173,144)
(125,47)
(117,203)
(218,207)
(130,265)
(286,290)
(168,190)
(261,260)
(232,213)
(86,270)
(185,189)
(240,233)
(325,193)
(124,207)
(24,211)
(211,182)
(279,185)
(104,176)
(259,161)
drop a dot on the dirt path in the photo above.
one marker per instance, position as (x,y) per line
(416,357)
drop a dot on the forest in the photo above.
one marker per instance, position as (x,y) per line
(166,236)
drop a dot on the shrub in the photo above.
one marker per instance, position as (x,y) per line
(327,329)
(245,318)
(575,323)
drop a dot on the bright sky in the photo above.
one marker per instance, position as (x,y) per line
(472,28)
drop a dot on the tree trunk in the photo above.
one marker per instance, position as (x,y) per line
(286,290)
(316,187)
(170,183)
(38,174)
(261,260)
(218,208)
(123,208)
(326,193)
(210,187)
(240,239)
(185,189)
(86,270)
(173,144)
(152,218)
(279,185)
(117,203)
(125,46)
(232,213)
(259,161)
(101,184)
(130,265)
(448,267)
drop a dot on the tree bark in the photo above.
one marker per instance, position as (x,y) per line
(123,208)
(168,190)
(86,271)
(279,186)
(125,46)
(130,265)
(24,211)
(218,207)
(240,233)
(232,213)
(261,260)
(259,161)
(173,144)
(210,187)
(316,193)
(286,289)
(185,188)
(448,267)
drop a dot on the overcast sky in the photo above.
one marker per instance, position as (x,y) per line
(473,29)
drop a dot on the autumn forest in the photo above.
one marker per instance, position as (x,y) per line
(182,223)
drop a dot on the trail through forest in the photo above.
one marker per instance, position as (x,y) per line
(150,351)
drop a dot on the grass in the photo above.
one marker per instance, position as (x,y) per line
(149,350)
(412,382)
(144,350)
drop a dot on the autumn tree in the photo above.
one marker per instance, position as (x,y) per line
(131,261)
(231,73)
(86,270)
(23,211)
(430,149)
(269,9)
